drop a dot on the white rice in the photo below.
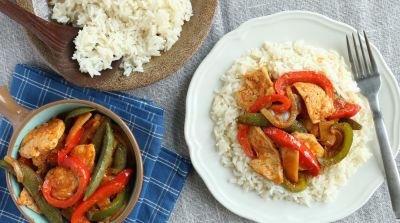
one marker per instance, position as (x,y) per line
(134,30)
(280,58)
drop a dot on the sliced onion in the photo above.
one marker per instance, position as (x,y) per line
(339,139)
(17,168)
(285,116)
(276,120)
(326,135)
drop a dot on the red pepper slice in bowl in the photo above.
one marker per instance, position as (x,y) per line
(53,157)
(70,145)
(313,77)
(26,161)
(109,189)
(284,139)
(80,170)
(73,164)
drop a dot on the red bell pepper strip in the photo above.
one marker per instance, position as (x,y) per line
(243,131)
(26,161)
(267,100)
(70,145)
(109,189)
(79,168)
(307,158)
(73,164)
(52,158)
(344,109)
(304,76)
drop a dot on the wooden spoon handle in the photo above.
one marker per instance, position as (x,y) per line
(38,26)
(14,112)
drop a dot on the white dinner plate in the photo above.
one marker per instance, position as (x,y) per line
(315,30)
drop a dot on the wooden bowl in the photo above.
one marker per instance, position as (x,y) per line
(24,120)
(193,34)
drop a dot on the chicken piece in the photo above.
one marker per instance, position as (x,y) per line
(319,105)
(255,85)
(63,183)
(41,162)
(42,139)
(266,167)
(26,199)
(311,142)
(268,162)
(85,153)
(90,128)
(270,85)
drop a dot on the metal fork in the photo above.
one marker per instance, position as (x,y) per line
(365,73)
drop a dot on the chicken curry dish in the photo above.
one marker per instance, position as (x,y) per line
(294,126)
(74,167)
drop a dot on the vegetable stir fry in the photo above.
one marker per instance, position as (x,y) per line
(294,126)
(73,167)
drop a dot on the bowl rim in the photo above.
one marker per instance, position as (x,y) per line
(135,147)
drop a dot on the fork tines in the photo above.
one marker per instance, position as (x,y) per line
(362,64)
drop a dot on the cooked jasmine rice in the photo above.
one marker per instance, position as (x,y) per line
(280,58)
(134,30)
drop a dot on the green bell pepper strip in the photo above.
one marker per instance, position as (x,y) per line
(347,131)
(119,164)
(353,123)
(32,182)
(5,165)
(98,137)
(115,205)
(120,159)
(104,162)
(77,112)
(109,189)
(301,185)
(296,126)
(258,119)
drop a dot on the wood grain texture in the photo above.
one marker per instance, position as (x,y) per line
(58,38)
(193,34)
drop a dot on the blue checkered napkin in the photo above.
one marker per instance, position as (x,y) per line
(164,171)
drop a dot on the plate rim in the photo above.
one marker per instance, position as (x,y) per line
(236,33)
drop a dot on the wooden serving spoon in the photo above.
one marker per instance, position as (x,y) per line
(58,38)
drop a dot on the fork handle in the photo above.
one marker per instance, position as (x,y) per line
(389,164)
